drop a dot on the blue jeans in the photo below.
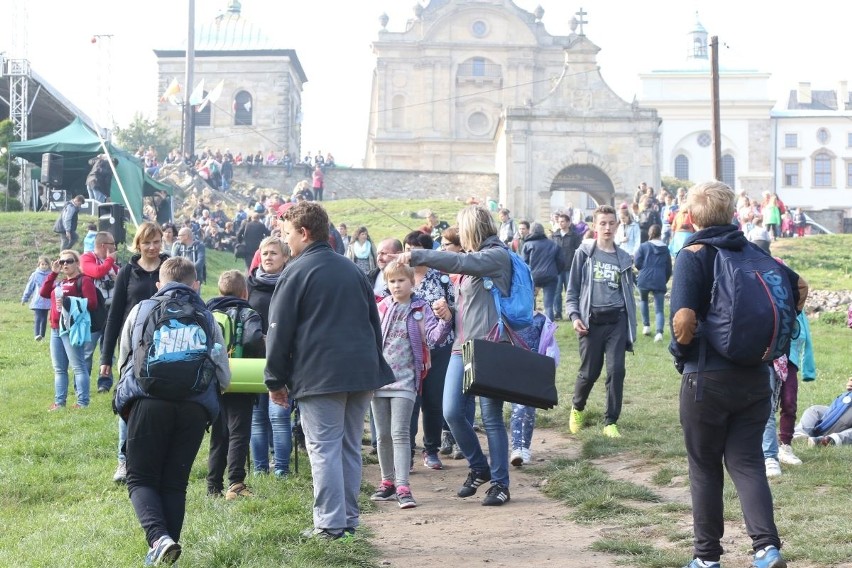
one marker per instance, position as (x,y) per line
(770,432)
(659,303)
(456,410)
(522,424)
(549,291)
(63,354)
(41,322)
(561,285)
(270,421)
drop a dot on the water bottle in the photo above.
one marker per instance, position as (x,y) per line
(58,293)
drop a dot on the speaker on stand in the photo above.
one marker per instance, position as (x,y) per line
(111,220)
(51,170)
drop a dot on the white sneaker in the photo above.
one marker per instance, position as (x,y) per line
(517,457)
(527,454)
(773,468)
(120,475)
(646,330)
(786,455)
(658,338)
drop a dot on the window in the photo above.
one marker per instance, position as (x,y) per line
(729,171)
(398,112)
(478,67)
(681,167)
(849,139)
(479,28)
(848,174)
(822,170)
(242,109)
(823,136)
(478,123)
(791,140)
(202,117)
(704,139)
(699,48)
(791,174)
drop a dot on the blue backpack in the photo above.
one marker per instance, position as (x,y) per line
(171,348)
(515,309)
(74,320)
(835,412)
(752,313)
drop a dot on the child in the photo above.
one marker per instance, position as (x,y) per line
(163,433)
(540,337)
(602,310)
(837,434)
(40,306)
(231,433)
(408,322)
(89,239)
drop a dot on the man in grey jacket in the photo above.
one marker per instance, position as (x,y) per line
(66,225)
(603,312)
(324,348)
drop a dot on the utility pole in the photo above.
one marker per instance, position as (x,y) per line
(188,122)
(714,101)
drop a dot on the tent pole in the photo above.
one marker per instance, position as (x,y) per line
(118,179)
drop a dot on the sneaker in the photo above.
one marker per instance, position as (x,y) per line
(54,407)
(404,498)
(281,473)
(497,495)
(120,475)
(79,406)
(696,563)
(432,461)
(611,431)
(215,493)
(103,390)
(237,490)
(820,441)
(769,557)
(39,337)
(457,453)
(385,492)
(646,330)
(472,483)
(658,338)
(326,534)
(526,453)
(786,455)
(773,468)
(517,457)
(446,443)
(575,420)
(163,551)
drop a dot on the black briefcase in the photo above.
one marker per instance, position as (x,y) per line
(509,373)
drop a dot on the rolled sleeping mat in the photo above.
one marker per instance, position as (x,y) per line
(247,376)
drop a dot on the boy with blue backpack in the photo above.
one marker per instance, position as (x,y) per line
(829,425)
(173,369)
(242,330)
(733,310)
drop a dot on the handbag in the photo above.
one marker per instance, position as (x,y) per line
(509,371)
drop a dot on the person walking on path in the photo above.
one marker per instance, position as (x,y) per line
(654,264)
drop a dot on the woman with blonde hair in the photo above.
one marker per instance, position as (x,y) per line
(485,264)
(136,281)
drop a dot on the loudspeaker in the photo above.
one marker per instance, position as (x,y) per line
(111,220)
(51,169)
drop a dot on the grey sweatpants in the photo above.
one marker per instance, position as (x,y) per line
(392,415)
(333,425)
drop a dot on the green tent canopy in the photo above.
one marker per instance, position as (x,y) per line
(77,144)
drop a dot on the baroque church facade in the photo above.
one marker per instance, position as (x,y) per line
(259,108)
(481,86)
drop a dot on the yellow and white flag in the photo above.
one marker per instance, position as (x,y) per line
(171,90)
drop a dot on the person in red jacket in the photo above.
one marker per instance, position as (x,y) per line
(100,265)
(67,280)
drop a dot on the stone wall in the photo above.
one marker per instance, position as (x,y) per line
(348,183)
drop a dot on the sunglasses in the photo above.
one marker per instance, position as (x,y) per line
(66,261)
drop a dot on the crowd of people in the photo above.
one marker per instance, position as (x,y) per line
(410,305)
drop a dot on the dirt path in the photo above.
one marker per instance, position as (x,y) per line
(444,530)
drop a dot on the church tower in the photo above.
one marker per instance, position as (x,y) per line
(698,42)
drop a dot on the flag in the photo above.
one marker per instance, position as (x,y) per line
(171,90)
(212,96)
(198,94)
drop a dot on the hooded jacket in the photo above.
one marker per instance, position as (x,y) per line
(691,291)
(254,342)
(654,263)
(475,311)
(260,295)
(128,389)
(543,256)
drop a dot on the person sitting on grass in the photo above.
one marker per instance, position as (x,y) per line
(838,433)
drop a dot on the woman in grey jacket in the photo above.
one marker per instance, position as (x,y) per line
(487,258)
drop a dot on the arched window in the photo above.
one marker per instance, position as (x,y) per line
(681,167)
(398,112)
(729,171)
(242,109)
(202,117)
(822,170)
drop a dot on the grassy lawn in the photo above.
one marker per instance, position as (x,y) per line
(59,507)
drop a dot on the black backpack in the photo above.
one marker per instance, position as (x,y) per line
(171,348)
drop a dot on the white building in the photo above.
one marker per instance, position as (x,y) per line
(813,152)
(682,98)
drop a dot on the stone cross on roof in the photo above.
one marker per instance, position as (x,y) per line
(581,21)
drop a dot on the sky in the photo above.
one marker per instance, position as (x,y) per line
(332,39)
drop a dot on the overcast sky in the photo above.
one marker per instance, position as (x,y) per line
(332,40)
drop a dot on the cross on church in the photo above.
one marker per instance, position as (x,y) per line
(580,20)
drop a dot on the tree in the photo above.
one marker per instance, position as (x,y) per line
(144,132)
(6,138)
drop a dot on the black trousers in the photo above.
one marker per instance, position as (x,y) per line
(230,436)
(723,416)
(603,340)
(163,438)
(431,402)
